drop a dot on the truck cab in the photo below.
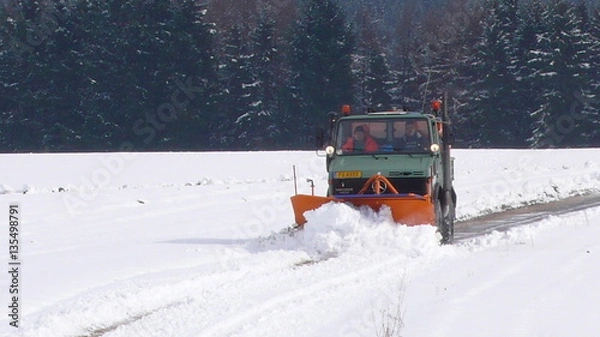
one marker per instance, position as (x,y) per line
(407,153)
(395,158)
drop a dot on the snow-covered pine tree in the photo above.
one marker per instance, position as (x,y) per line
(98,71)
(322,46)
(144,59)
(193,59)
(595,36)
(561,63)
(17,128)
(267,67)
(531,26)
(257,123)
(591,102)
(495,91)
(378,82)
(50,115)
(239,83)
(373,83)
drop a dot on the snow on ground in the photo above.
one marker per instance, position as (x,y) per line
(191,244)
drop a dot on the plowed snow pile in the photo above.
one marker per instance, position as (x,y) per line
(335,229)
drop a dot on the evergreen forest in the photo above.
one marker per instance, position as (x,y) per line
(188,75)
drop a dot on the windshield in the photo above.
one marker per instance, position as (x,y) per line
(406,135)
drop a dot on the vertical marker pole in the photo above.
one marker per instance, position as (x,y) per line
(295,180)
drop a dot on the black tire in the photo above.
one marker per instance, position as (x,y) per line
(444,218)
(437,207)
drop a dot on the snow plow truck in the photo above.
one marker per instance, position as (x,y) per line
(401,160)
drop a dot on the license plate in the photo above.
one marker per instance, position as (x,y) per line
(348,174)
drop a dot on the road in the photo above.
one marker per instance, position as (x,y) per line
(503,221)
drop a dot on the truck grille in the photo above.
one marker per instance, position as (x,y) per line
(406,173)
(403,185)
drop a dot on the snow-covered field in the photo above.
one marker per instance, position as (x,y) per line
(189,244)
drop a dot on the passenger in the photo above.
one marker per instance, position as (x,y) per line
(412,139)
(360,142)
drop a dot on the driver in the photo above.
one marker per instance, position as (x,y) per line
(412,139)
(360,141)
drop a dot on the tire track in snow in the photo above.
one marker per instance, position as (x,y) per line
(230,307)
(337,283)
(101,312)
(102,331)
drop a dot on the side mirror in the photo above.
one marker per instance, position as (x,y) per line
(332,116)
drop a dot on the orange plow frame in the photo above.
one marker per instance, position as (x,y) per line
(408,209)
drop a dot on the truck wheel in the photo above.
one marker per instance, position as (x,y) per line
(448,224)
(444,218)
(437,206)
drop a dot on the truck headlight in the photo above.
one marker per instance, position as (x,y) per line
(329,150)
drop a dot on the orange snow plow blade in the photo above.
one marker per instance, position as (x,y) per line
(408,209)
